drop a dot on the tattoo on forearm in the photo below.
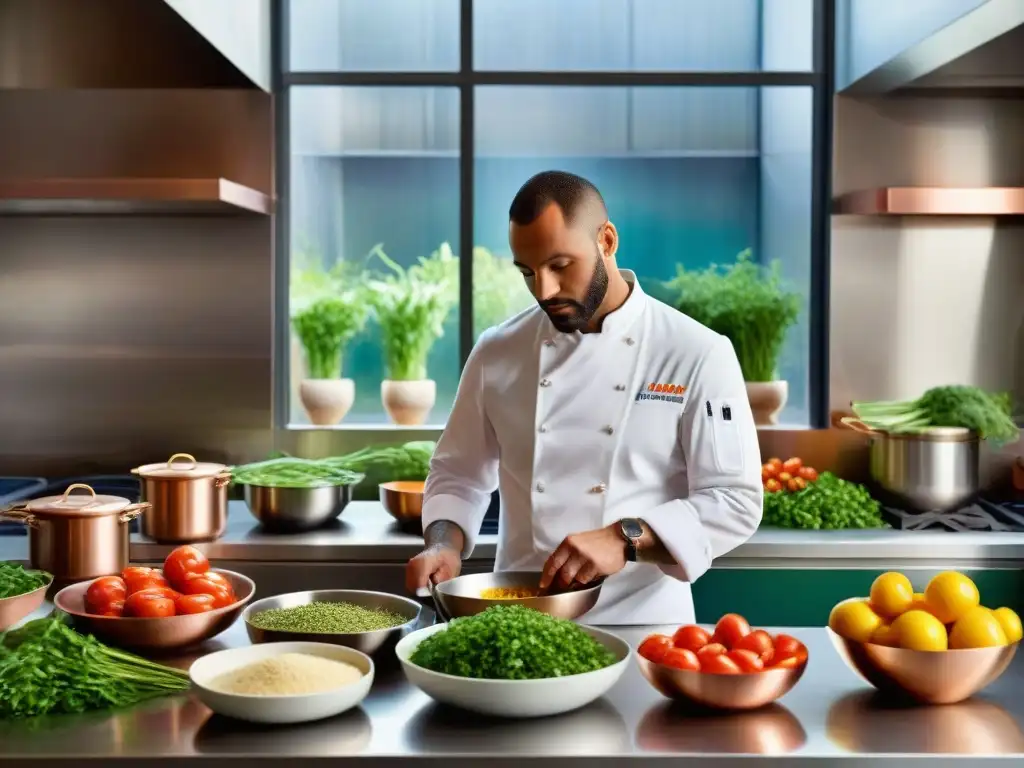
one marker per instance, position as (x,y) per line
(444,533)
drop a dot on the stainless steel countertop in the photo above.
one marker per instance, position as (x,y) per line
(830,714)
(366,533)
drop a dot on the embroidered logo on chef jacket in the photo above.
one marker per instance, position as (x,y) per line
(670,393)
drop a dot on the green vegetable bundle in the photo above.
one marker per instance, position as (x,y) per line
(16,580)
(510,642)
(48,668)
(990,415)
(290,472)
(829,503)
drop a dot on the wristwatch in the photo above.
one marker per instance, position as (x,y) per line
(631,531)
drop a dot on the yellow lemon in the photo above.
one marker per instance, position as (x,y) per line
(950,595)
(919,603)
(891,594)
(854,620)
(1010,622)
(977,628)
(886,635)
(920,631)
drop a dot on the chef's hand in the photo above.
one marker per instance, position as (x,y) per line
(437,562)
(584,557)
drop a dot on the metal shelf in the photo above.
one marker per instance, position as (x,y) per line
(933,201)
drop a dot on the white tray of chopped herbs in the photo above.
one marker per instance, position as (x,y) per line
(512,661)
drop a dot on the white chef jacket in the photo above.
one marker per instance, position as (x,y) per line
(647,419)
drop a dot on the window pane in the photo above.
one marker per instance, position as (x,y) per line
(692,176)
(369,166)
(373,35)
(638,35)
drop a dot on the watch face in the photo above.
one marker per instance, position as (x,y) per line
(632,529)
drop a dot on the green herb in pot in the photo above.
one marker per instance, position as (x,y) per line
(510,642)
(411,307)
(327,618)
(828,503)
(326,326)
(17,580)
(746,303)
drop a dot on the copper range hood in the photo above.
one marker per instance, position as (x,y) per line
(933,201)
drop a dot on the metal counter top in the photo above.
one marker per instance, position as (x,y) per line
(366,533)
(830,714)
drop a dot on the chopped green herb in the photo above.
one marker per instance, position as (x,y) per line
(828,503)
(510,642)
(17,580)
(327,618)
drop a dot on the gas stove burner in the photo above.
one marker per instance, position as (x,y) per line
(981,516)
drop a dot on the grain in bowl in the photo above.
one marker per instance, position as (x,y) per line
(289,674)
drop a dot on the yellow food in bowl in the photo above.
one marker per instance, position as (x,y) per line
(509,593)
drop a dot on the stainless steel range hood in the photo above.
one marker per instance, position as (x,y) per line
(51,44)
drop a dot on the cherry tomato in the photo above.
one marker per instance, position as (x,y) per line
(653,647)
(776,463)
(183,562)
(784,477)
(151,580)
(787,646)
(203,586)
(790,662)
(810,474)
(187,604)
(795,484)
(114,609)
(681,658)
(148,605)
(711,649)
(772,485)
(747,661)
(719,665)
(792,465)
(758,641)
(730,629)
(104,591)
(768,471)
(691,637)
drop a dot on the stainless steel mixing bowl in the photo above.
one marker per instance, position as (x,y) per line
(370,643)
(289,510)
(461,596)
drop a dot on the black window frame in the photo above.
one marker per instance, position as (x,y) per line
(821,79)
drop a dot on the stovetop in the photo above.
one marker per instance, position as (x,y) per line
(982,515)
(24,489)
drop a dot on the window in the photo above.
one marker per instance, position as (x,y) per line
(703,123)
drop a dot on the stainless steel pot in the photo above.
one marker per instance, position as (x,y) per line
(930,471)
(77,537)
(287,510)
(189,498)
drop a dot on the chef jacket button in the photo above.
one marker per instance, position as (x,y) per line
(540,487)
(599,488)
(549,343)
(609,429)
(620,387)
(543,428)
(630,341)
(545,382)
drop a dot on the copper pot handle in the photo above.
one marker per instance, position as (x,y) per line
(74,486)
(132,511)
(224,478)
(852,422)
(186,457)
(16,514)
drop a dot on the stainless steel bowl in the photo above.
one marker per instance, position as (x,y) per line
(370,643)
(461,596)
(289,510)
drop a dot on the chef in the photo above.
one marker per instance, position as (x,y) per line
(616,428)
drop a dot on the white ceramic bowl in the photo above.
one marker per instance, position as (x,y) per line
(515,698)
(280,709)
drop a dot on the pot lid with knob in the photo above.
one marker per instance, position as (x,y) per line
(181,466)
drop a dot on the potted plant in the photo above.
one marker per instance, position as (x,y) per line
(324,327)
(499,291)
(410,307)
(752,307)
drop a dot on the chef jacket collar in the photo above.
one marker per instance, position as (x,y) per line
(618,321)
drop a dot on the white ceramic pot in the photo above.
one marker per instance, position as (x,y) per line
(767,399)
(408,402)
(327,400)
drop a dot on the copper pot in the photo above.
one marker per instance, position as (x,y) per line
(189,498)
(77,537)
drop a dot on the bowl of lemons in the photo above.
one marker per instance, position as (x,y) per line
(939,646)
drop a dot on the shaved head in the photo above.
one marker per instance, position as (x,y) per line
(579,201)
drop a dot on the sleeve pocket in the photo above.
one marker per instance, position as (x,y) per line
(728,445)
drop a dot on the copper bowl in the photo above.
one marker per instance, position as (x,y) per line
(14,609)
(734,692)
(930,677)
(461,596)
(403,500)
(172,633)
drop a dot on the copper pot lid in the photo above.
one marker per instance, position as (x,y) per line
(71,504)
(180,466)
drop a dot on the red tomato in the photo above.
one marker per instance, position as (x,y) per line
(810,474)
(653,647)
(167,592)
(795,484)
(691,637)
(747,661)
(136,570)
(790,662)
(758,641)
(115,609)
(148,605)
(104,591)
(711,649)
(792,465)
(212,576)
(768,472)
(730,629)
(772,485)
(681,658)
(136,582)
(187,604)
(719,665)
(787,646)
(776,464)
(200,585)
(183,562)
